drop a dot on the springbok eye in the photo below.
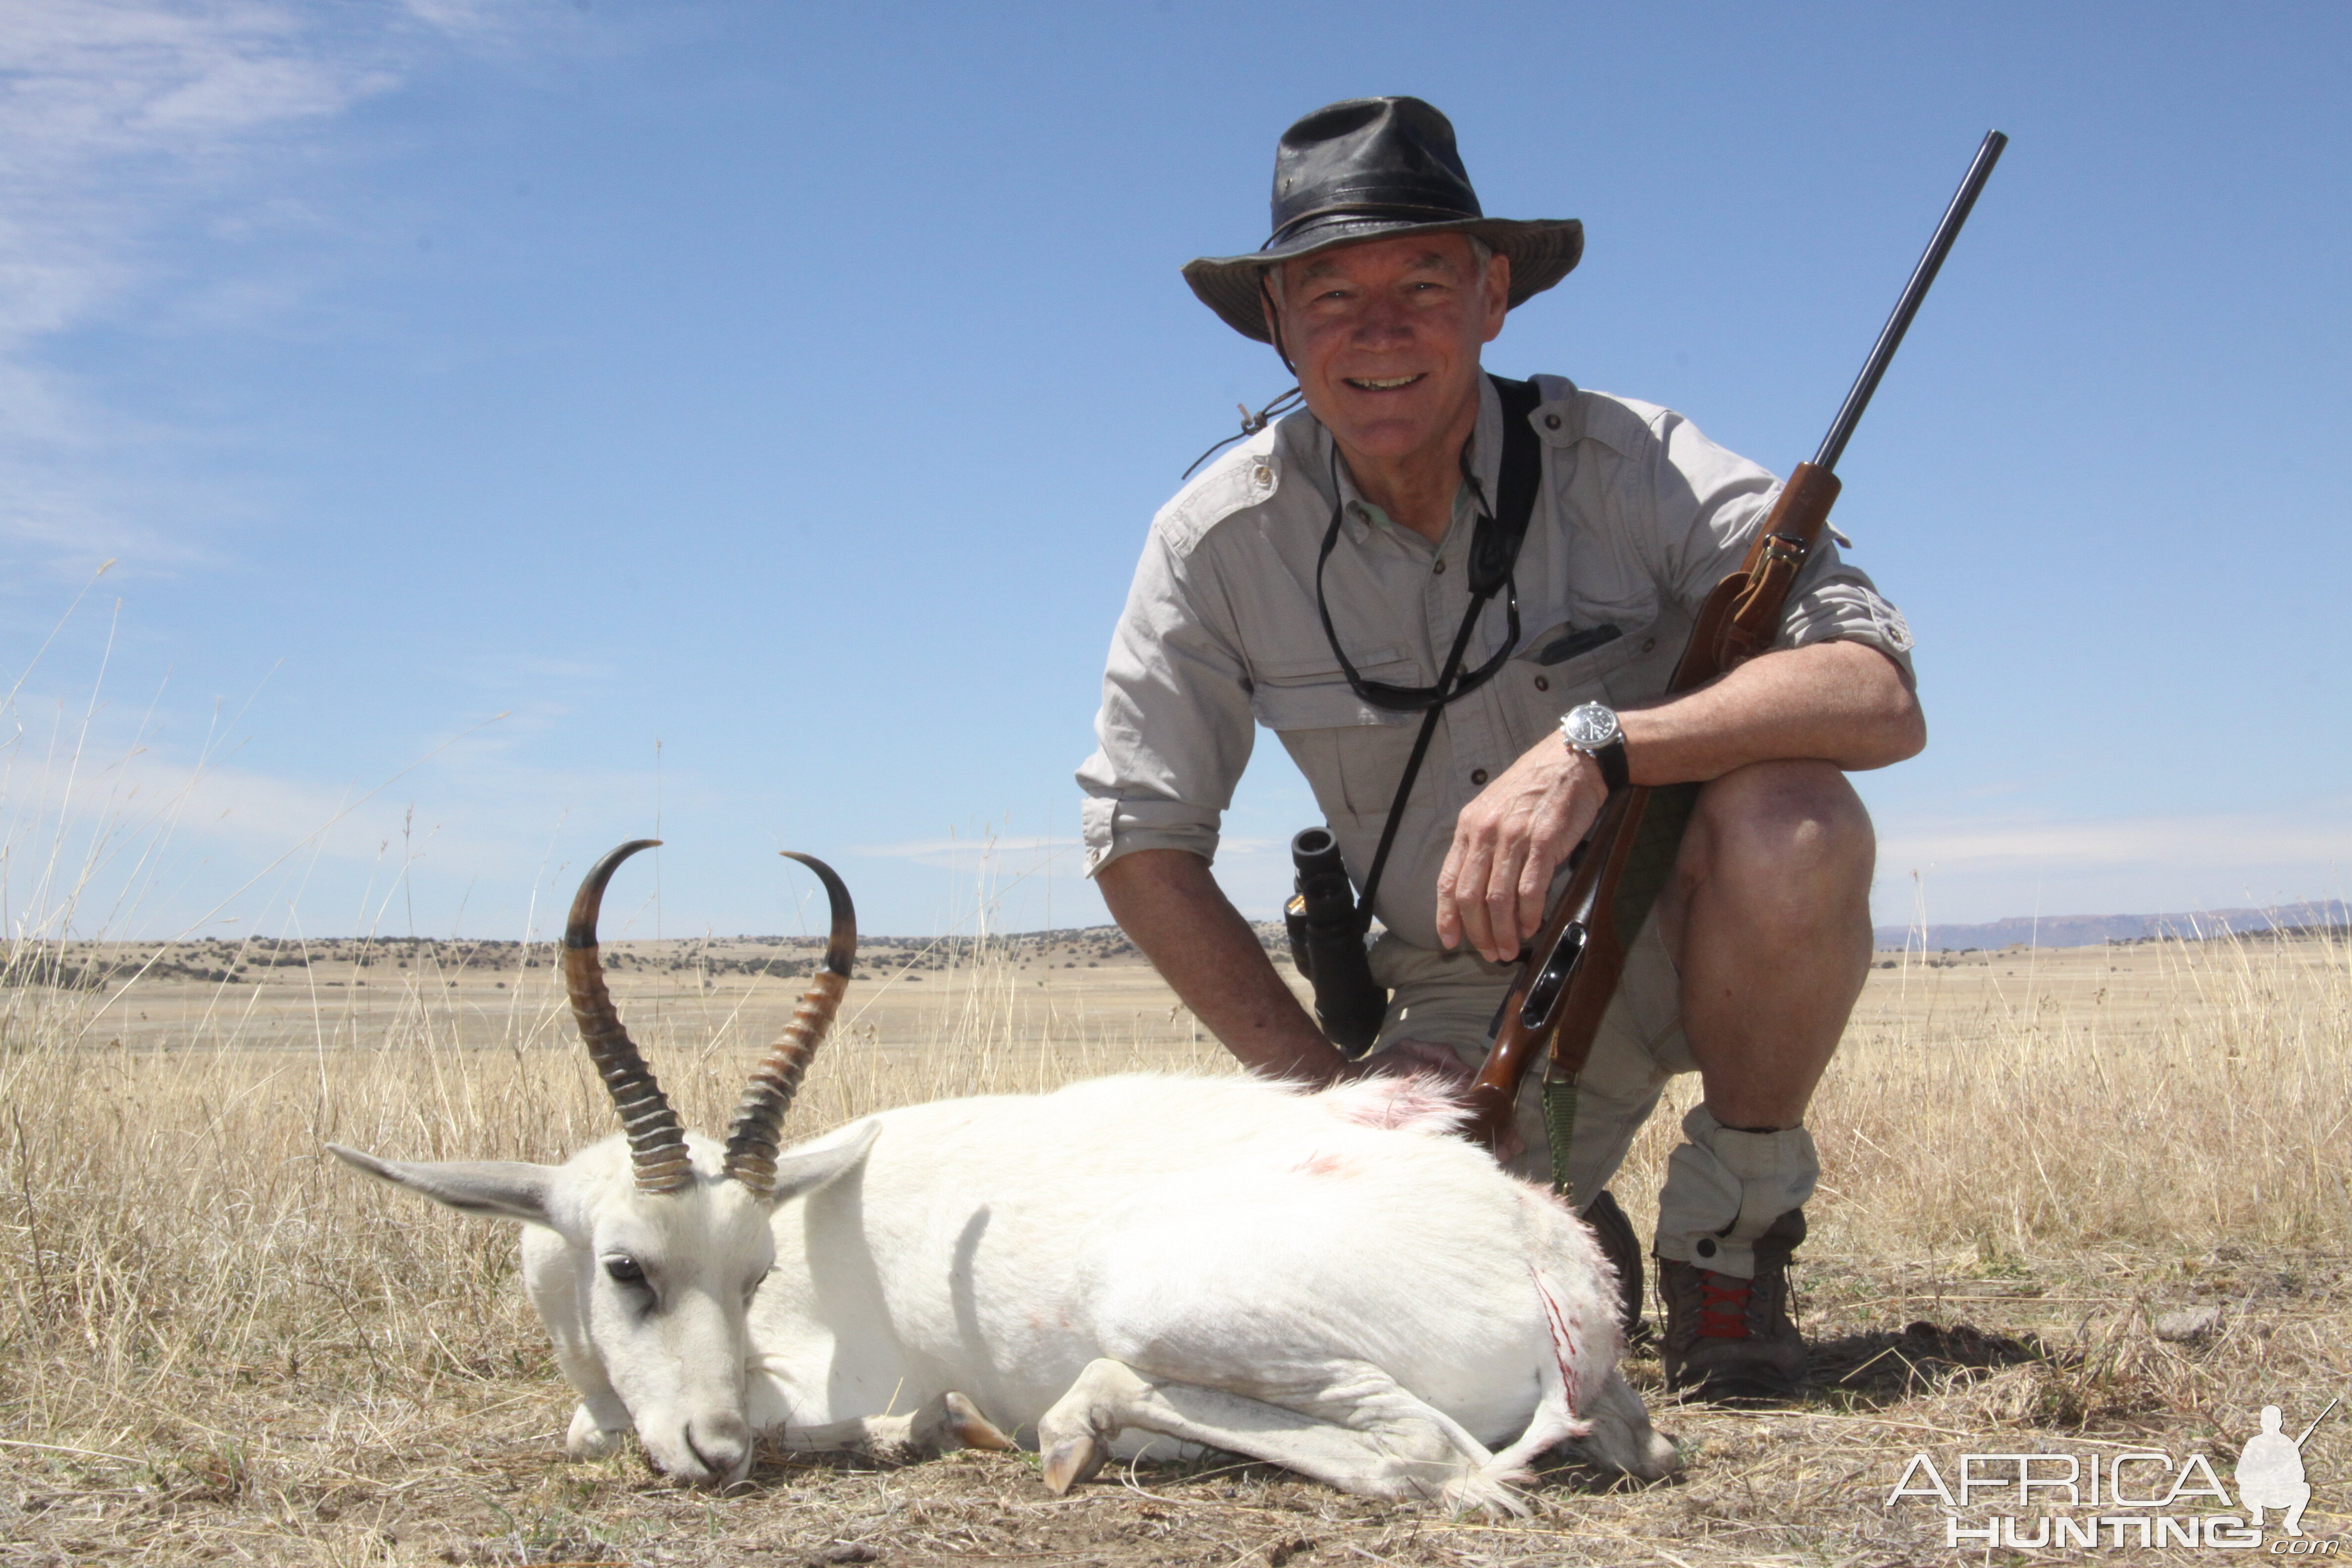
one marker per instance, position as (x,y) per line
(625,1269)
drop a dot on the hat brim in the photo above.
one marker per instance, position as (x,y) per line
(1542,252)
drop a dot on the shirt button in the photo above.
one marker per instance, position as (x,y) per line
(1438,569)
(1542,684)
(1263,474)
(1649,643)
(1551,421)
(1477,775)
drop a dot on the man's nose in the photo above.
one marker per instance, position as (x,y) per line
(1381,323)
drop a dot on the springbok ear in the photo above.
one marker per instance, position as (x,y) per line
(498,1189)
(799,1175)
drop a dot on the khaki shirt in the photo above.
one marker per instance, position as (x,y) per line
(1638,517)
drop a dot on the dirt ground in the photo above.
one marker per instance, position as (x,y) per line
(222,1397)
(1900,1366)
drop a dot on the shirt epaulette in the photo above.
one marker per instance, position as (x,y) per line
(1244,478)
(1624,424)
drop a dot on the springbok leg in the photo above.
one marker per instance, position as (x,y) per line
(1354,1428)
(945,1424)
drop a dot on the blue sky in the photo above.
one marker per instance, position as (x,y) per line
(519,426)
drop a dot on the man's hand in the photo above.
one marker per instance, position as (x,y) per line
(1506,844)
(1403,1058)
(1406,1057)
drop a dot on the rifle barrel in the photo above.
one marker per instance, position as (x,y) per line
(1890,337)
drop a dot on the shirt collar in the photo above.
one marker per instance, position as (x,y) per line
(1359,518)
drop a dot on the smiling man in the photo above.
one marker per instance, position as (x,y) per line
(1335,578)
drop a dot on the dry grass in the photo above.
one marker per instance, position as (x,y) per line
(215,1345)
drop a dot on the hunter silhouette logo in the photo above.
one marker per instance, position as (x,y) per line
(2138,1498)
(2270,1471)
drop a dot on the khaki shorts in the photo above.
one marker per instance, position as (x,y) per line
(1451,999)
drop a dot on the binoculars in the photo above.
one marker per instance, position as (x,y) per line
(1326,943)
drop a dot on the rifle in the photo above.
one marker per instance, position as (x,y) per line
(1571,972)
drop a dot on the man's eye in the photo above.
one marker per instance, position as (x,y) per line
(625,1269)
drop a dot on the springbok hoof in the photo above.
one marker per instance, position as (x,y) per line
(1073,1460)
(968,1427)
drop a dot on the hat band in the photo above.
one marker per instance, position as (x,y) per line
(1400,211)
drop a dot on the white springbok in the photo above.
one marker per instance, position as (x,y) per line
(1140,1265)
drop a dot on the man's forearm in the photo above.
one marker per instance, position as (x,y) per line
(1844,703)
(1172,908)
(1840,702)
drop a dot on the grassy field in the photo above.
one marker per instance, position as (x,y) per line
(216,1344)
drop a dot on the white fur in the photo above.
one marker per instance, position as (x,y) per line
(1130,1265)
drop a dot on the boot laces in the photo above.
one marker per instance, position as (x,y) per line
(1723,1305)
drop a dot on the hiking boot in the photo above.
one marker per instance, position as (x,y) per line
(1622,1249)
(1732,1340)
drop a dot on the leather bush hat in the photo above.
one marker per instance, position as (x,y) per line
(1376,168)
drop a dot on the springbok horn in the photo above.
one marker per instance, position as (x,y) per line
(656,1142)
(752,1137)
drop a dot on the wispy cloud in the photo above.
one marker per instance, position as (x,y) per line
(958,852)
(1987,869)
(2318,836)
(126,125)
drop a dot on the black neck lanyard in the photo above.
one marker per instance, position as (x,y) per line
(1493,553)
(1415,699)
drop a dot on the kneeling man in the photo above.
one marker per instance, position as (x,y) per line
(1318,580)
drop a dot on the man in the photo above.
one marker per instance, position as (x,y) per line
(1323,562)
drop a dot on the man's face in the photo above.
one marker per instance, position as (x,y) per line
(1385,336)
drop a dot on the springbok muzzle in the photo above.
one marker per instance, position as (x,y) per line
(657,1150)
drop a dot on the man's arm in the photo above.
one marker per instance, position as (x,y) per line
(1841,702)
(1169,904)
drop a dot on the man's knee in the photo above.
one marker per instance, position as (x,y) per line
(1788,834)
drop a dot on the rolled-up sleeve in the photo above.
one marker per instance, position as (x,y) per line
(1175,730)
(1711,502)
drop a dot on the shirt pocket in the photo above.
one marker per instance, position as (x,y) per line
(1314,694)
(1581,660)
(1342,743)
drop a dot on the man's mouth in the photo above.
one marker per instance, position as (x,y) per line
(1380,383)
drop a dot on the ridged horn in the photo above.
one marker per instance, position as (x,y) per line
(753,1137)
(656,1141)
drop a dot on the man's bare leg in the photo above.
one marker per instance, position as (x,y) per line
(1769,921)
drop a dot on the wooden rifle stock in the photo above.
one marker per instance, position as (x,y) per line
(1566,979)
(1571,972)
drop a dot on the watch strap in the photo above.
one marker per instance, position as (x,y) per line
(1614,771)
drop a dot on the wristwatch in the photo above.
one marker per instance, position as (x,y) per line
(1593,728)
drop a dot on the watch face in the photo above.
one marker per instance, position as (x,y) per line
(1590,727)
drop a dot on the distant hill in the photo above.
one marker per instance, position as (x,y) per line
(2091,930)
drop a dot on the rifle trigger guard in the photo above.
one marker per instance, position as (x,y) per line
(1543,996)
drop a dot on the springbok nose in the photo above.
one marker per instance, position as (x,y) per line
(721,1442)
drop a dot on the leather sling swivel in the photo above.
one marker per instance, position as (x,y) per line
(1494,543)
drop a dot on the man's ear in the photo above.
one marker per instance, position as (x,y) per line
(498,1189)
(799,1175)
(1498,297)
